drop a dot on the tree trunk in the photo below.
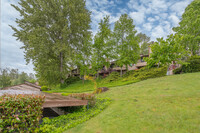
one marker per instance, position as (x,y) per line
(121,72)
(98,74)
(83,80)
(127,68)
(61,68)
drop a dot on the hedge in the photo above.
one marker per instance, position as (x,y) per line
(191,65)
(111,77)
(20,113)
(145,73)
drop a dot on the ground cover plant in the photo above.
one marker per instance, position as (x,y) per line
(64,122)
(167,104)
(20,113)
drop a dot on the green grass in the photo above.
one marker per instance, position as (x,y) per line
(77,87)
(111,81)
(163,105)
(88,86)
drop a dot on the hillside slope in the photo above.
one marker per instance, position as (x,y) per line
(167,104)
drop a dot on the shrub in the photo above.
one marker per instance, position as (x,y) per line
(44,88)
(100,90)
(69,81)
(146,73)
(32,81)
(20,113)
(64,122)
(192,66)
(177,70)
(112,77)
(128,73)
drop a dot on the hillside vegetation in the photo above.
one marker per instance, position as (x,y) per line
(168,104)
(112,80)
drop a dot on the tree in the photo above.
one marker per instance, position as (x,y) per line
(127,43)
(166,51)
(189,27)
(102,47)
(5,79)
(52,32)
(144,43)
(23,77)
(14,74)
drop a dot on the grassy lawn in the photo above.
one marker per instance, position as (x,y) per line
(163,105)
(88,86)
(77,87)
(111,81)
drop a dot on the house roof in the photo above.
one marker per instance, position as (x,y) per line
(51,100)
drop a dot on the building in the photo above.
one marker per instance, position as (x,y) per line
(114,68)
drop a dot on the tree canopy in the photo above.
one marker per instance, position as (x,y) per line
(52,32)
(189,27)
(102,47)
(166,51)
(144,43)
(126,41)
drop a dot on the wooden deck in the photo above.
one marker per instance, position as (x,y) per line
(54,100)
(51,100)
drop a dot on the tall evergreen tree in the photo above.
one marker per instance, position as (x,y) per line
(127,49)
(52,32)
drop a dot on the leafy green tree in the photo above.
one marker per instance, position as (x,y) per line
(189,27)
(144,43)
(14,73)
(166,51)
(127,43)
(102,47)
(5,79)
(23,77)
(52,32)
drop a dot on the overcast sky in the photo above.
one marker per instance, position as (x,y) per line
(152,17)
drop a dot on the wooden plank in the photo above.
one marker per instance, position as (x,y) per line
(64,103)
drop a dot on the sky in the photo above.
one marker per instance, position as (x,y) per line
(155,18)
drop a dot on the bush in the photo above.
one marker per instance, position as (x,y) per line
(20,113)
(100,90)
(112,77)
(64,122)
(146,73)
(44,88)
(177,70)
(192,66)
(69,81)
